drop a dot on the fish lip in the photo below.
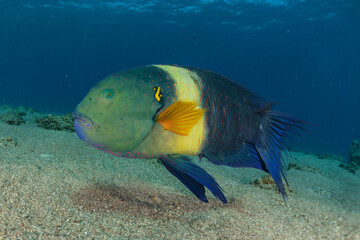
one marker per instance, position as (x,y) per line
(84,119)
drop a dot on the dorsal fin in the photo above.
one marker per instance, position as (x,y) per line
(266,108)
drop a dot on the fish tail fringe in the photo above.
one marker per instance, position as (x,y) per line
(280,126)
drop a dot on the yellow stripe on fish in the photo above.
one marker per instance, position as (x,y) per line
(188,87)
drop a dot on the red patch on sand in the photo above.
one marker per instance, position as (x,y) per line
(144,201)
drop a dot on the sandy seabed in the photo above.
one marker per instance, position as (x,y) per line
(53,186)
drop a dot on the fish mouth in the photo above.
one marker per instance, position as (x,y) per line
(83,120)
(82,123)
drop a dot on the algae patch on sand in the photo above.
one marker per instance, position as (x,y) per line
(60,123)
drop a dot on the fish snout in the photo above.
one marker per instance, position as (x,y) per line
(83,121)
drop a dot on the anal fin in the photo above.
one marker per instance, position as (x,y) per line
(268,159)
(243,156)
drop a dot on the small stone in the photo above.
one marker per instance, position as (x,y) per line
(267,182)
(6,142)
(157,200)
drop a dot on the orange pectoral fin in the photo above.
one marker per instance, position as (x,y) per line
(180,117)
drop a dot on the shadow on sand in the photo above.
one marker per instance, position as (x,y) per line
(144,201)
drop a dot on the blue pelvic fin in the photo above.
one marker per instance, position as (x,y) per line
(193,177)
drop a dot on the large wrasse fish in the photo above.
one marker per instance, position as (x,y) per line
(172,112)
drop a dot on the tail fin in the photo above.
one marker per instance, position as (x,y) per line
(276,130)
(265,152)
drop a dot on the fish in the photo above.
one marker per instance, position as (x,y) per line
(173,113)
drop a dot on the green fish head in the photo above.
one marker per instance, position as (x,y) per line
(117,114)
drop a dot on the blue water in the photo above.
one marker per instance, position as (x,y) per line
(303,54)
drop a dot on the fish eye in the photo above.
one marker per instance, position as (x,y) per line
(108,93)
